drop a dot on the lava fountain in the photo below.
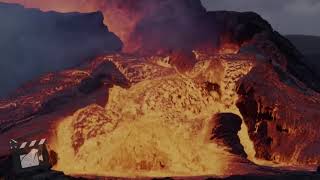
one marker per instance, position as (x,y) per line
(160,126)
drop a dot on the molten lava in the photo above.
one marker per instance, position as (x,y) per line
(158,126)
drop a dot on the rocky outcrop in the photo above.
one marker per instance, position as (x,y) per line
(224,131)
(281,115)
(34,42)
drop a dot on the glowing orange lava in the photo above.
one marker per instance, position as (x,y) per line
(157,127)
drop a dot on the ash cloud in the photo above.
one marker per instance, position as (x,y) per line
(286,16)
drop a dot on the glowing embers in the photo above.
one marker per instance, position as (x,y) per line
(156,127)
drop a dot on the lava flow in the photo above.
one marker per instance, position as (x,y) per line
(160,126)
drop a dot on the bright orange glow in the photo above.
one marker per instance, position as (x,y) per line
(157,127)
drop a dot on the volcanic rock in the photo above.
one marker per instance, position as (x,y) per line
(224,131)
(281,122)
(34,42)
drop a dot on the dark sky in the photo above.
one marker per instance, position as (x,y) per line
(286,16)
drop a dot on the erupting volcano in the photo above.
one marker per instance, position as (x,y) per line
(192,93)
